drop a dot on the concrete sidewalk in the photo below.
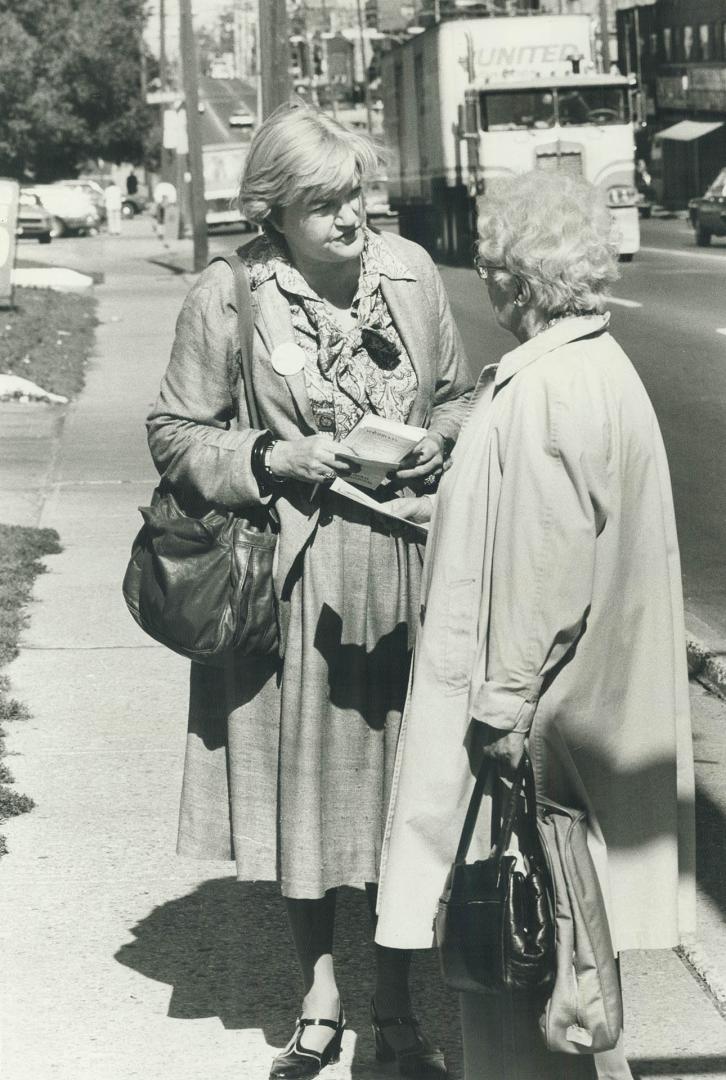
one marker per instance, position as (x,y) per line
(120,960)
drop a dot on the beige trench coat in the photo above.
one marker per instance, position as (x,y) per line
(552,594)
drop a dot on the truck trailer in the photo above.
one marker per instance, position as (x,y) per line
(472,101)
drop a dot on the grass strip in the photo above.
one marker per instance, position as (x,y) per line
(21,549)
(48,337)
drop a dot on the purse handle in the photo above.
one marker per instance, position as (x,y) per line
(246,331)
(523,781)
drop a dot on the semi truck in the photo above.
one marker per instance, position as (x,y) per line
(469,102)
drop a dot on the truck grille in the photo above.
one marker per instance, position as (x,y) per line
(569,161)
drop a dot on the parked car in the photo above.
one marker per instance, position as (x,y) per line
(708,214)
(93,190)
(34,222)
(131,205)
(70,208)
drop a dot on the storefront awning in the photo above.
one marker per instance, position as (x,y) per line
(687,130)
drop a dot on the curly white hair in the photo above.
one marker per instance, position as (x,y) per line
(556,232)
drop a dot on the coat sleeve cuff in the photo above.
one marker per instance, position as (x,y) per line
(504,708)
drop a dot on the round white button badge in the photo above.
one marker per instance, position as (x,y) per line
(288,359)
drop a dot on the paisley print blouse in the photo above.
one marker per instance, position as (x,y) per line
(347,373)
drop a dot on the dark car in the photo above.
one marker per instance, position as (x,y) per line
(131,205)
(34,221)
(708,214)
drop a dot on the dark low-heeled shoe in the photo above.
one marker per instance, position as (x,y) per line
(421,1059)
(297,1062)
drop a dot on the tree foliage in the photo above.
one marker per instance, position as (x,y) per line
(70,85)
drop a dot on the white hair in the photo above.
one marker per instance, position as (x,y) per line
(301,154)
(556,232)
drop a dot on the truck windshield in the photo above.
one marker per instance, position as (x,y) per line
(517,110)
(592,105)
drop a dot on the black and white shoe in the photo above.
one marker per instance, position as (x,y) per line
(297,1062)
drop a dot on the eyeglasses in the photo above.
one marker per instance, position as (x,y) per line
(484,269)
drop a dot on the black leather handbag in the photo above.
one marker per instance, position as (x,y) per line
(202,585)
(494,925)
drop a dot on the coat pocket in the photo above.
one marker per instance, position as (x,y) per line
(457,653)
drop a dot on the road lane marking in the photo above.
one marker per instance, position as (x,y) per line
(621,302)
(714,256)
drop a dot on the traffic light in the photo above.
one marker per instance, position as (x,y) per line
(371,14)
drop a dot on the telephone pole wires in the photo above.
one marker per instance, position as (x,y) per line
(195,175)
(274,55)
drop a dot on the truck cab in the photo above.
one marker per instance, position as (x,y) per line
(581,125)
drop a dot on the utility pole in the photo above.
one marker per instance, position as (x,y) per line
(162,45)
(364,71)
(274,55)
(190,75)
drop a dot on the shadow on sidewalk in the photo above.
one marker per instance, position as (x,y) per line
(226,951)
(668,1067)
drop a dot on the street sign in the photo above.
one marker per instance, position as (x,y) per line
(162,97)
(9,192)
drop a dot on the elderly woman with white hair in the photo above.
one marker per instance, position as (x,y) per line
(290,761)
(551,611)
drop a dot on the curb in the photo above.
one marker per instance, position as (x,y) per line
(693,955)
(707,666)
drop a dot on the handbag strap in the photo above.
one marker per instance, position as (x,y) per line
(246,331)
(508,813)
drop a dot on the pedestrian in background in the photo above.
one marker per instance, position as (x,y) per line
(297,753)
(112,196)
(553,610)
(132,183)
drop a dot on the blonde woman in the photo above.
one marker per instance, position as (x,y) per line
(553,611)
(298,754)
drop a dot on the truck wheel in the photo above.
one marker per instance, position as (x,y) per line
(625,256)
(703,236)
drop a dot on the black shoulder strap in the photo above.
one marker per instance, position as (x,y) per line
(501,832)
(246,330)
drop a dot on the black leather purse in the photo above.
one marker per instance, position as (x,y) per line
(202,585)
(494,926)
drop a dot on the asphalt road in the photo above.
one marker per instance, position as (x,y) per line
(221,98)
(669,314)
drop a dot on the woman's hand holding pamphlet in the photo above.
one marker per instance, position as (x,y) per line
(376,447)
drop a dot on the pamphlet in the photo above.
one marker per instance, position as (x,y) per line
(342,487)
(375,447)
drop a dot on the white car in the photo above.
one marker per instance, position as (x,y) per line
(70,208)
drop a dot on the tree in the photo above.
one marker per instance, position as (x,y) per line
(70,85)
